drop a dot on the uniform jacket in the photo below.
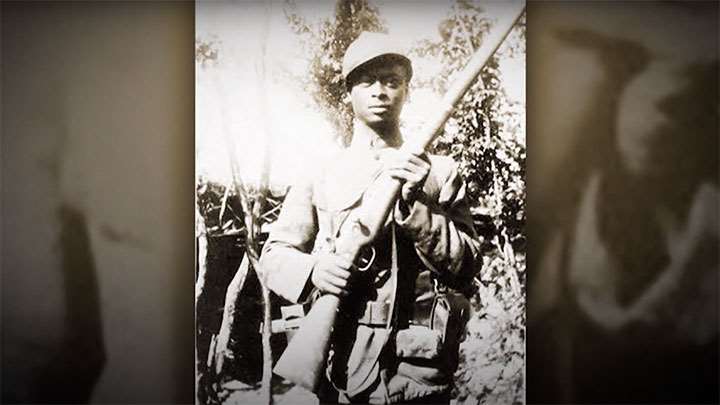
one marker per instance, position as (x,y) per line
(435,235)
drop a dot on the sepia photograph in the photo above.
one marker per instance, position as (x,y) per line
(360,202)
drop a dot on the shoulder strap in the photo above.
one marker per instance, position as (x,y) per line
(393,275)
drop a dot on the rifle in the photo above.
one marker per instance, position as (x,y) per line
(305,357)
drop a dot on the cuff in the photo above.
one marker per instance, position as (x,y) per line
(416,222)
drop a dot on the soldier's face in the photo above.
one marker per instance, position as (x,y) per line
(378,93)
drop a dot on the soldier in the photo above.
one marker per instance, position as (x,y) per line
(389,345)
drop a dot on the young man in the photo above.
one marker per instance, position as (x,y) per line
(383,349)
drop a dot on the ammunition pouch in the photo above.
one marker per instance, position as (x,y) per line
(450,313)
(427,351)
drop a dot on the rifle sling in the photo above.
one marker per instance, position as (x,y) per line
(390,320)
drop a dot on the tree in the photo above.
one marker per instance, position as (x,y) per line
(485,137)
(326,43)
(246,221)
(484,133)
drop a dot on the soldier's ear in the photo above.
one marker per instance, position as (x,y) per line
(346,98)
(407,93)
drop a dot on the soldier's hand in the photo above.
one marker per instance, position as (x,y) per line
(410,169)
(331,273)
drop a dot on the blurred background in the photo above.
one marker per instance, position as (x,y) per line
(623,202)
(97,202)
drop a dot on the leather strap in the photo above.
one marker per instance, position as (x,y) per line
(382,313)
(393,271)
(391,312)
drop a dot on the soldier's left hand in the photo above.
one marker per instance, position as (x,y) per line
(410,169)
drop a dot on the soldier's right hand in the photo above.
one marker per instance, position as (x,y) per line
(330,273)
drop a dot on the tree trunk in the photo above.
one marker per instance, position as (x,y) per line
(200,282)
(232,297)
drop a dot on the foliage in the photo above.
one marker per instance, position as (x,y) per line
(492,356)
(485,136)
(220,208)
(325,44)
(206,51)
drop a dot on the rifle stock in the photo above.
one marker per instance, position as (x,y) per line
(306,366)
(305,357)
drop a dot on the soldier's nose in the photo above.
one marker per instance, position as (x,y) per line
(381,92)
(378,88)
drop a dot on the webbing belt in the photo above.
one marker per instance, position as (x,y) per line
(376,314)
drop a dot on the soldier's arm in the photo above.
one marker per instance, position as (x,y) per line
(286,254)
(441,227)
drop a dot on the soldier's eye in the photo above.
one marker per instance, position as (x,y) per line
(366,80)
(392,81)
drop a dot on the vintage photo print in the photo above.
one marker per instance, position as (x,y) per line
(360,202)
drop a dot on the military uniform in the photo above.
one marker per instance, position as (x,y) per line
(436,235)
(389,345)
